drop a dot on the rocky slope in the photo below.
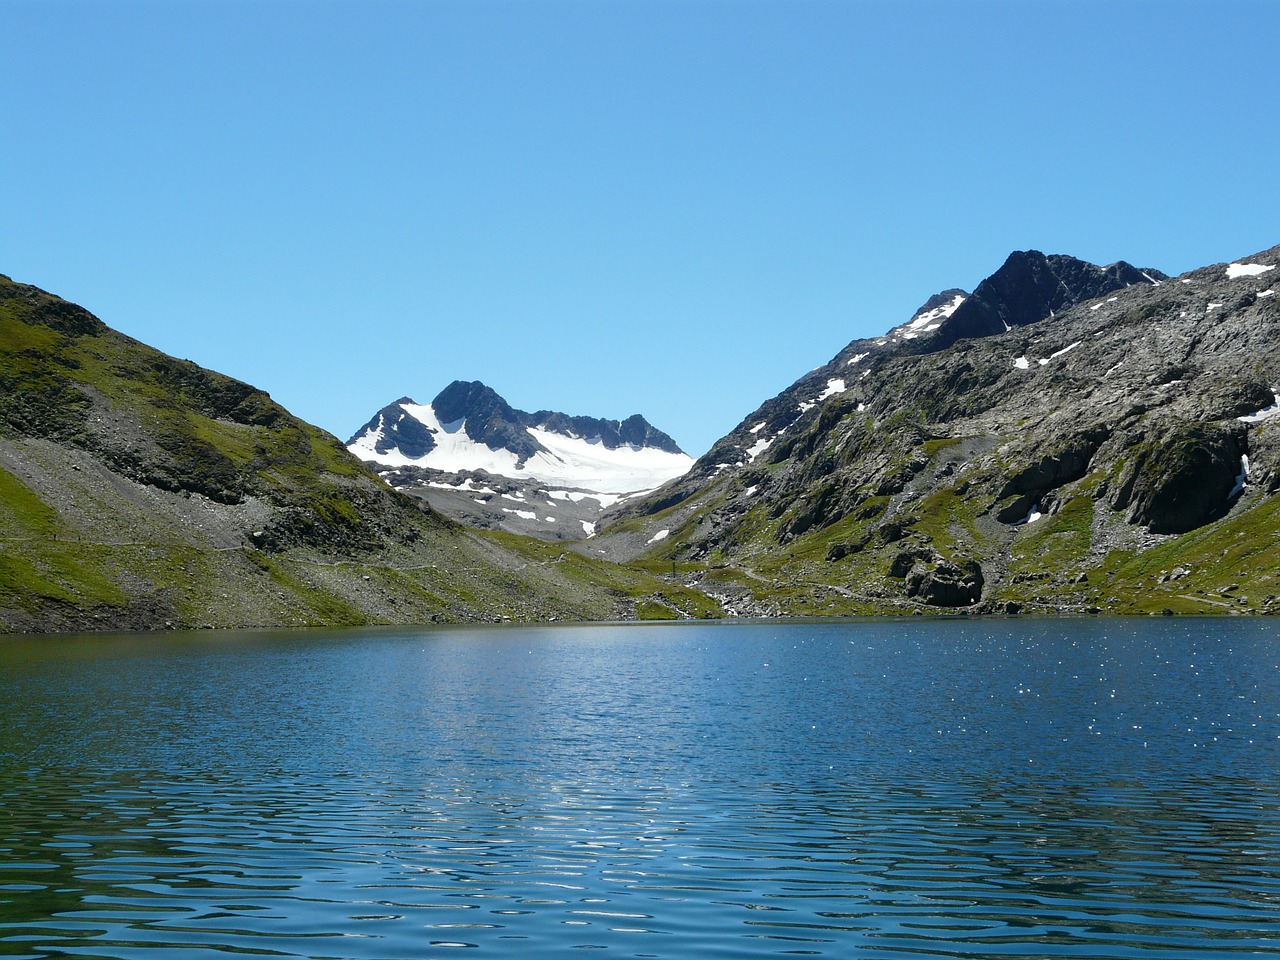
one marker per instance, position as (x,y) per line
(1068,438)
(476,459)
(140,491)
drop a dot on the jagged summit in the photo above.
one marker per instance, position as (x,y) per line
(469,426)
(939,300)
(1030,287)
(929,317)
(486,417)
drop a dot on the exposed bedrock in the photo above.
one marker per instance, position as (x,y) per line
(1182,476)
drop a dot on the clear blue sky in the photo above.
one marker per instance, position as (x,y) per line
(673,208)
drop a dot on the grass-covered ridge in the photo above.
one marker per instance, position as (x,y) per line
(138,490)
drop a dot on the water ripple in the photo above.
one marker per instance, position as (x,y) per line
(364,836)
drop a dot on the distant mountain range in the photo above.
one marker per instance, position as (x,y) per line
(547,474)
(469,427)
(1067,438)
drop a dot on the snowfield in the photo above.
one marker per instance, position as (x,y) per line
(566,461)
(1266,413)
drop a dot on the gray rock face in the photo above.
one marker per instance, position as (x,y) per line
(946,584)
(486,502)
(1118,409)
(1182,476)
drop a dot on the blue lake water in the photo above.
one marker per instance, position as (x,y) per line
(965,788)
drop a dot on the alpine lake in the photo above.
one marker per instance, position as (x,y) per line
(919,788)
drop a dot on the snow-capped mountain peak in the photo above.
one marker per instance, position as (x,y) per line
(469,427)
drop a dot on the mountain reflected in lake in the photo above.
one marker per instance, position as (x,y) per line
(967,789)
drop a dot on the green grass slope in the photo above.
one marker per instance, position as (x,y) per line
(141,491)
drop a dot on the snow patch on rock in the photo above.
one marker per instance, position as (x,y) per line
(929,320)
(1237,270)
(1054,356)
(1266,413)
(1032,516)
(759,447)
(1242,478)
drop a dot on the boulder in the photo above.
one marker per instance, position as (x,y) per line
(948,584)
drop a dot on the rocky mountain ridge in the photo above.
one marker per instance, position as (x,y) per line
(1036,451)
(488,419)
(1028,288)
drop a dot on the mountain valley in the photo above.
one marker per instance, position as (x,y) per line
(138,491)
(1065,439)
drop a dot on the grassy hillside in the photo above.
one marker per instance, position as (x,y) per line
(137,490)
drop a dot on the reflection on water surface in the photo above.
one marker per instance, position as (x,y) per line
(955,789)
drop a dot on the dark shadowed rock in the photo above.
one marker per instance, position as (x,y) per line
(1031,287)
(906,560)
(489,419)
(399,431)
(1182,477)
(635,431)
(1069,462)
